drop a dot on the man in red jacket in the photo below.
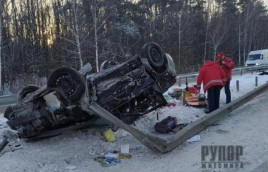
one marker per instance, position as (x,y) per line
(227,65)
(213,78)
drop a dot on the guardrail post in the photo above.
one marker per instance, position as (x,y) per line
(179,82)
(183,97)
(237,85)
(256,81)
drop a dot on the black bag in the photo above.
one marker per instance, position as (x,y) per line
(166,125)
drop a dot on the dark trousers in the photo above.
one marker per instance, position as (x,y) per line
(214,98)
(227,92)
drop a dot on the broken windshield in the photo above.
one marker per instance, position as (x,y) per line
(254,57)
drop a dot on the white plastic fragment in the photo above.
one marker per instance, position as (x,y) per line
(111,155)
(125,149)
(195,138)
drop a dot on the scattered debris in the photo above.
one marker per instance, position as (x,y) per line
(107,162)
(166,125)
(171,104)
(222,131)
(176,93)
(195,138)
(111,155)
(124,156)
(16,147)
(125,149)
(168,98)
(109,135)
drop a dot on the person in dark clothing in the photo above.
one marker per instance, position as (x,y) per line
(214,97)
(227,65)
(213,78)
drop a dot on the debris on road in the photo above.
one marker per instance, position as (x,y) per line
(166,125)
(125,149)
(171,104)
(111,155)
(125,156)
(109,135)
(222,131)
(195,138)
(176,93)
(107,162)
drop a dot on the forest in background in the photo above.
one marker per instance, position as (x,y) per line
(38,35)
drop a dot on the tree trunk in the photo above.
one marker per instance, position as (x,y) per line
(77,37)
(239,41)
(0,47)
(96,34)
(214,53)
(207,25)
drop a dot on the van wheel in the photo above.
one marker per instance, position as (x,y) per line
(154,54)
(69,81)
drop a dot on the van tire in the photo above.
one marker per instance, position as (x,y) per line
(69,81)
(155,56)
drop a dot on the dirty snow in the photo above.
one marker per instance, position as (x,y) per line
(76,150)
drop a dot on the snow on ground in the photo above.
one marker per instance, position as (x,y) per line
(76,150)
(186,114)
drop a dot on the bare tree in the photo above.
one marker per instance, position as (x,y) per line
(1,46)
(99,17)
(207,28)
(219,30)
(75,25)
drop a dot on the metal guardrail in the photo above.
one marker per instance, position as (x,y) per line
(8,99)
(12,99)
(236,71)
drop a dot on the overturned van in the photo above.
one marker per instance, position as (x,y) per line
(72,99)
(257,57)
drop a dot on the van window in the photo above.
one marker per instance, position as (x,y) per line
(254,57)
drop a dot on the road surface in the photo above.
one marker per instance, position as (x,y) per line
(246,126)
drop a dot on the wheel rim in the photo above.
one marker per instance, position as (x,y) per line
(66,84)
(156,56)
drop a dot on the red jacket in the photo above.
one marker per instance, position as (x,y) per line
(211,74)
(227,67)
